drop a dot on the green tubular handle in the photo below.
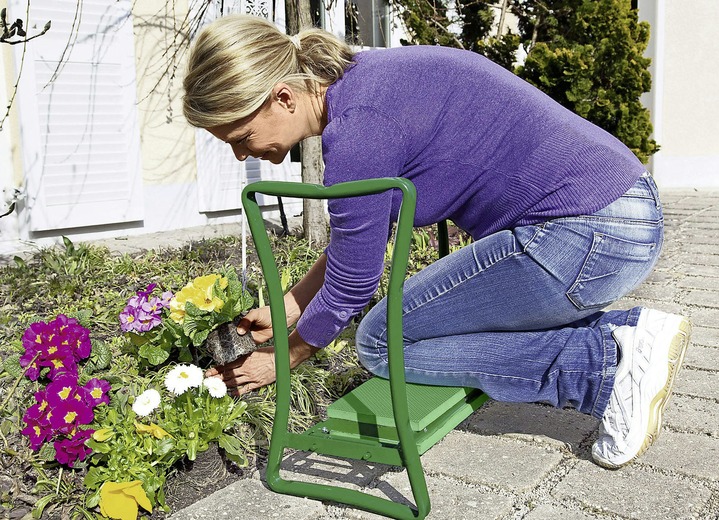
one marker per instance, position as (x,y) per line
(281,438)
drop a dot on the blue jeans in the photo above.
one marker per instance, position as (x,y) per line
(517,313)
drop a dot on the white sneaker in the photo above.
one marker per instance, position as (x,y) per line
(651,355)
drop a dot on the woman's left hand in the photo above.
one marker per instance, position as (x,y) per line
(249,372)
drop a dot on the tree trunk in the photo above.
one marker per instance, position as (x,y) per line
(314,220)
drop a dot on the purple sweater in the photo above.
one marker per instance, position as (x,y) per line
(483,148)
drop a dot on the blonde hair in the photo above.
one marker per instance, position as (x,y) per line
(237,60)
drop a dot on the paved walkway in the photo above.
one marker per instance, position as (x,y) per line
(516,461)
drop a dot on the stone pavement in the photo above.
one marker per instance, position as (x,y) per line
(533,462)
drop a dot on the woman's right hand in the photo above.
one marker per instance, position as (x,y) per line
(259,323)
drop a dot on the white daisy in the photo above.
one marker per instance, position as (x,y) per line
(215,386)
(183,377)
(146,402)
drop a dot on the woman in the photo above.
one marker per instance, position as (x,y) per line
(565,221)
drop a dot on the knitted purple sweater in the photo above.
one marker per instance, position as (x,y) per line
(483,148)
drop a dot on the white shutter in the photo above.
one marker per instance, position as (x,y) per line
(77,111)
(220,176)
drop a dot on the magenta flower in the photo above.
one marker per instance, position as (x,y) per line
(57,344)
(70,414)
(96,392)
(36,431)
(62,389)
(67,451)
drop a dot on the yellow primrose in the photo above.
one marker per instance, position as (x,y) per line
(153,429)
(199,292)
(102,434)
(119,500)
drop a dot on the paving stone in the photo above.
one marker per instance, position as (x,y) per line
(655,292)
(532,422)
(706,271)
(692,414)
(688,453)
(494,461)
(702,317)
(698,282)
(633,492)
(249,498)
(549,512)
(702,357)
(698,383)
(707,336)
(448,499)
(702,297)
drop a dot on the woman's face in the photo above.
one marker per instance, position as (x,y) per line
(268,134)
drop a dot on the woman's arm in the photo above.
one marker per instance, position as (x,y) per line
(257,369)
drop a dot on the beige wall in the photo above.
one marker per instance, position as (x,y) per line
(167,141)
(684,100)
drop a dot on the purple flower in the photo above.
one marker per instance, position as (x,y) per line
(67,451)
(165,299)
(128,319)
(96,392)
(147,292)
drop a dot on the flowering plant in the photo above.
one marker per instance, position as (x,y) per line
(142,439)
(64,408)
(157,323)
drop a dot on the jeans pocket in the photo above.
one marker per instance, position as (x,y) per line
(613,267)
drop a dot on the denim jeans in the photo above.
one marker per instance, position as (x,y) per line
(518,313)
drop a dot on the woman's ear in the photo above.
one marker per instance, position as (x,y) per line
(285,95)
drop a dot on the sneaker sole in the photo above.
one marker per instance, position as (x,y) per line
(677,350)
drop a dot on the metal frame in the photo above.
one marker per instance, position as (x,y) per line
(406,452)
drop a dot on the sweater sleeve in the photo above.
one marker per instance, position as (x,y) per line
(359,144)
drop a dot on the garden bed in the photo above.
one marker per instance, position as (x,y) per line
(92,288)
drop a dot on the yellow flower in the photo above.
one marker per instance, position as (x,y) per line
(102,434)
(199,292)
(153,429)
(120,499)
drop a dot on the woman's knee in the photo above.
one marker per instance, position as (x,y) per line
(371,343)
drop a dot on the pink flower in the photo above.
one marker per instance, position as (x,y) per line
(36,431)
(67,451)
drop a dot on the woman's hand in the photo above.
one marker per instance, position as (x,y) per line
(249,372)
(259,323)
(257,368)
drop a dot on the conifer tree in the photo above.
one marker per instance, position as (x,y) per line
(586,54)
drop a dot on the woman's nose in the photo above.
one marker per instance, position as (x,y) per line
(239,154)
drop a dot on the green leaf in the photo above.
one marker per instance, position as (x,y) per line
(94,478)
(47,452)
(41,504)
(101,354)
(200,337)
(155,355)
(93,499)
(11,365)
(231,444)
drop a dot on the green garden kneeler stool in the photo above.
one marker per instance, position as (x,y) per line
(381,421)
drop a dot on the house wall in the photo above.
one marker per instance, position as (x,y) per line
(684,101)
(168,156)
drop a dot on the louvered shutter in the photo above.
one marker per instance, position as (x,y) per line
(80,137)
(220,175)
